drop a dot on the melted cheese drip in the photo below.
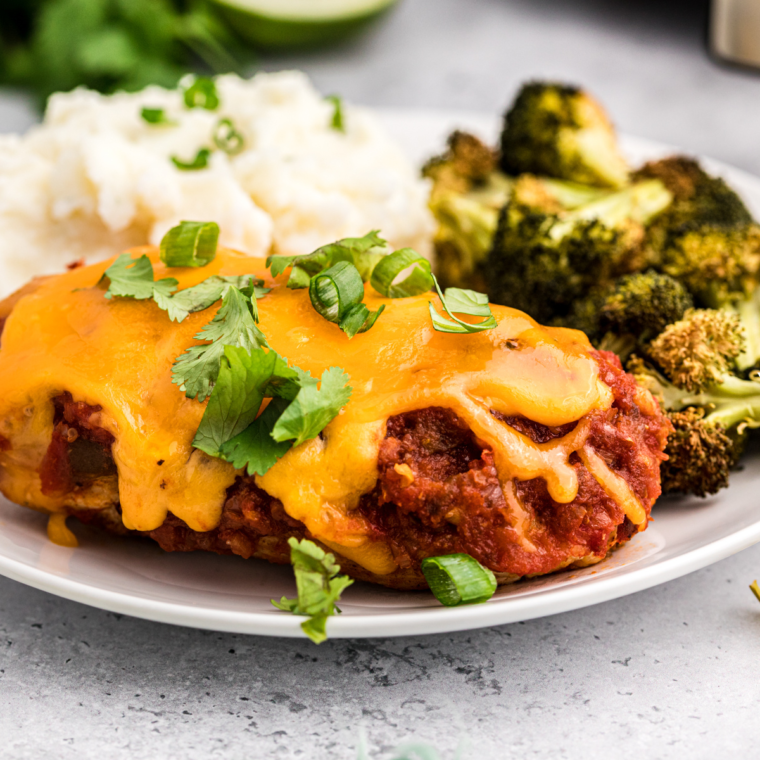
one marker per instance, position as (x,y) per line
(59,533)
(118,354)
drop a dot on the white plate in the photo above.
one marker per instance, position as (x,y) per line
(133,576)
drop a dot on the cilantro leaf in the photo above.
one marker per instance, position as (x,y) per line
(196,370)
(255,448)
(133,278)
(319,587)
(199,297)
(312,409)
(236,398)
(461,301)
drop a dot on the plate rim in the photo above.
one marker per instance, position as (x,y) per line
(428,620)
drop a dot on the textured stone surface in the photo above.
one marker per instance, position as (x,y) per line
(666,673)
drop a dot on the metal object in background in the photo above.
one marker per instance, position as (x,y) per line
(734,33)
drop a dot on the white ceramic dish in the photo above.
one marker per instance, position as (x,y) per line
(230,594)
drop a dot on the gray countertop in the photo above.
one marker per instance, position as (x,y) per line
(666,673)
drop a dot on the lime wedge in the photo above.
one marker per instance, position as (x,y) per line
(278,24)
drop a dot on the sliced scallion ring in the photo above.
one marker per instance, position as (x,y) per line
(190,244)
(419,280)
(227,138)
(337,293)
(458,579)
(201,93)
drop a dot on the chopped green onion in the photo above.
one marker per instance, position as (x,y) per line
(156,116)
(337,122)
(199,162)
(227,138)
(458,579)
(462,301)
(420,280)
(364,253)
(755,589)
(337,293)
(190,244)
(201,94)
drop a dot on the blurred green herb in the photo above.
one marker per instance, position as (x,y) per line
(199,162)
(156,116)
(200,92)
(108,45)
(227,138)
(337,122)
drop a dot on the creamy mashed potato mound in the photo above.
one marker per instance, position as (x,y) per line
(95,178)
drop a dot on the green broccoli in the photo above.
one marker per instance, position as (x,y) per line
(562,132)
(542,261)
(468,192)
(748,312)
(710,408)
(632,311)
(706,239)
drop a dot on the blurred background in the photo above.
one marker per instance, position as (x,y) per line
(647,61)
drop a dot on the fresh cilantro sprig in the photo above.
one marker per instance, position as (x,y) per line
(199,297)
(319,587)
(57,45)
(300,407)
(187,244)
(133,278)
(196,370)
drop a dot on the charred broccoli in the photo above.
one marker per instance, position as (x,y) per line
(706,239)
(561,131)
(710,408)
(632,311)
(468,192)
(544,259)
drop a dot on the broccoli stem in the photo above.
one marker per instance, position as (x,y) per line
(730,403)
(749,316)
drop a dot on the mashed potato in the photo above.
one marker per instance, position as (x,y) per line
(95,177)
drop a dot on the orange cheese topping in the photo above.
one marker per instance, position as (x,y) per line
(118,353)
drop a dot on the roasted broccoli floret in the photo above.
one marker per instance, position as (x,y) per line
(467,194)
(710,408)
(561,131)
(543,261)
(699,350)
(706,239)
(710,429)
(630,312)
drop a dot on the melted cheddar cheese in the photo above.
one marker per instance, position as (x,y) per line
(118,354)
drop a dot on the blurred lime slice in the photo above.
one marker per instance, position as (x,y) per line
(279,24)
